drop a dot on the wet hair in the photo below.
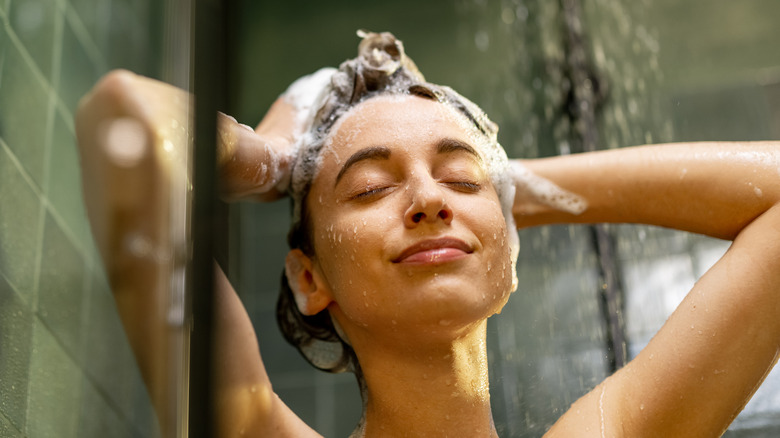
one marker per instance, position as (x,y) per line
(381,68)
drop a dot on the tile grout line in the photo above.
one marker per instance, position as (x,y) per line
(82,34)
(10,423)
(23,52)
(47,146)
(47,204)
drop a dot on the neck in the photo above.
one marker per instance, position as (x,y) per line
(438,389)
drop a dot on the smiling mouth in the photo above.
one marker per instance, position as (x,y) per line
(434,251)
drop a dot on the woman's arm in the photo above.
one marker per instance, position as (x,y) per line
(709,188)
(704,364)
(132,134)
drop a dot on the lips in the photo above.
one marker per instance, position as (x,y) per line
(434,251)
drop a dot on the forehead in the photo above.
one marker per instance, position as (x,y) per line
(398,121)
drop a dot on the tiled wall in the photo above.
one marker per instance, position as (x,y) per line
(66,369)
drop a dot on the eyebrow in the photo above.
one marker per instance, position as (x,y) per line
(370,153)
(449,145)
(443,146)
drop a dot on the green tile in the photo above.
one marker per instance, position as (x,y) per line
(348,406)
(61,290)
(64,187)
(19,213)
(77,73)
(97,417)
(23,109)
(135,36)
(33,23)
(15,347)
(109,361)
(55,388)
(94,15)
(7,430)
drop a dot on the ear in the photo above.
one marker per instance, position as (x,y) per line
(310,291)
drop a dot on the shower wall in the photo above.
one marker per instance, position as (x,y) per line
(66,369)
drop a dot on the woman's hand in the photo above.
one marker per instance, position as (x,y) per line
(257,164)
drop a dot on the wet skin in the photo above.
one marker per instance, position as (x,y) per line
(408,230)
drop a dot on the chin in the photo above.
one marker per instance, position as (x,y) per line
(451,302)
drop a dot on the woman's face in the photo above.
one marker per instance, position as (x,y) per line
(407,227)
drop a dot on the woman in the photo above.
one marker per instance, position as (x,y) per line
(404,180)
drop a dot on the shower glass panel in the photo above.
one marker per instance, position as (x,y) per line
(66,366)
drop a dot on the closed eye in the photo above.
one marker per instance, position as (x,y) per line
(369,192)
(465,186)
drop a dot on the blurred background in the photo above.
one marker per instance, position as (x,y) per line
(658,71)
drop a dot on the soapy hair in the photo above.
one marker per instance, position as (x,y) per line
(381,68)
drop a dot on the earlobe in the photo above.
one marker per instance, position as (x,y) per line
(309,290)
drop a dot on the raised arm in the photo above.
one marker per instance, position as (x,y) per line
(704,364)
(132,132)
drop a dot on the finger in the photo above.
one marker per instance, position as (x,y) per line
(248,163)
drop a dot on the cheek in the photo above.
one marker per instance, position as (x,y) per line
(493,234)
(349,249)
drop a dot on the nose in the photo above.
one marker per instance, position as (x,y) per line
(429,204)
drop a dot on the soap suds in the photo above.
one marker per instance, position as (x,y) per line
(546,192)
